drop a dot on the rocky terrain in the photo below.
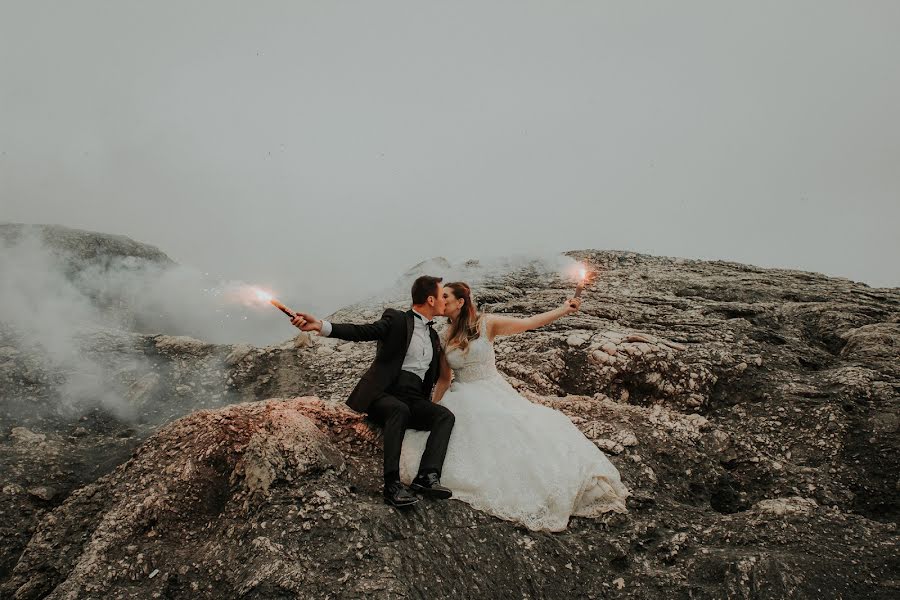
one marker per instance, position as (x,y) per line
(752,412)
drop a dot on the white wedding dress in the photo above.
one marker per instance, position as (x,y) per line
(512,458)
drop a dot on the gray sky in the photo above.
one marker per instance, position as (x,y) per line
(324,147)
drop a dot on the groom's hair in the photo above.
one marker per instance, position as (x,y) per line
(425,286)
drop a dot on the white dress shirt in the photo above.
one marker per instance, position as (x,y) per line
(420,352)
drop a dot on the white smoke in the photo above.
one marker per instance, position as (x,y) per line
(53,302)
(47,314)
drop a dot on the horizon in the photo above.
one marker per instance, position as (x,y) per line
(402,268)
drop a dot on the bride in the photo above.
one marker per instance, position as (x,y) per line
(507,456)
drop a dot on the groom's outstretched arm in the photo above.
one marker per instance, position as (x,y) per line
(361,333)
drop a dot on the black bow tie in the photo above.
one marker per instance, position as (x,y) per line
(421,318)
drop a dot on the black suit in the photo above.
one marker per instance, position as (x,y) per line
(398,399)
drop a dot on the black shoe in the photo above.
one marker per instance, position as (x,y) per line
(430,485)
(396,494)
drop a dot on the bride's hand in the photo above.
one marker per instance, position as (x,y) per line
(571,305)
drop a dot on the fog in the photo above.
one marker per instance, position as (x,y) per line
(321,149)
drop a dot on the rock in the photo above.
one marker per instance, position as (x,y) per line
(23,435)
(794,505)
(303,340)
(181,345)
(698,421)
(873,341)
(631,349)
(575,340)
(79,246)
(674,345)
(640,338)
(288,448)
(626,439)
(609,446)
(885,422)
(614,336)
(13,489)
(142,390)
(42,492)
(238,353)
(717,442)
(601,357)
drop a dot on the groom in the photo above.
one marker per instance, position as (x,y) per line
(396,390)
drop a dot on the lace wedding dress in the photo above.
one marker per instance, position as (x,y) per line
(512,458)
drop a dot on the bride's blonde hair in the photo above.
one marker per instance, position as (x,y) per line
(467,326)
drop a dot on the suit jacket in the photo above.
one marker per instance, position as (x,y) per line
(393,332)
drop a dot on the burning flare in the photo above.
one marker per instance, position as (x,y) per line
(265,296)
(583,277)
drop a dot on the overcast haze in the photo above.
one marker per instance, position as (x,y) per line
(323,148)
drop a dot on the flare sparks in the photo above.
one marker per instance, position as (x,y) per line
(581,281)
(267,297)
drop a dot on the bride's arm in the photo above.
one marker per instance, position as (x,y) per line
(443,381)
(497,325)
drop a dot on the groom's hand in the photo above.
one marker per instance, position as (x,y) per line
(306,322)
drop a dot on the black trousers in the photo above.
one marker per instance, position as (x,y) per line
(405,405)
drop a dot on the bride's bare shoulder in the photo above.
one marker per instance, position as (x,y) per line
(488,326)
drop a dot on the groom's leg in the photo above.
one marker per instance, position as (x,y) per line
(428,416)
(394,416)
